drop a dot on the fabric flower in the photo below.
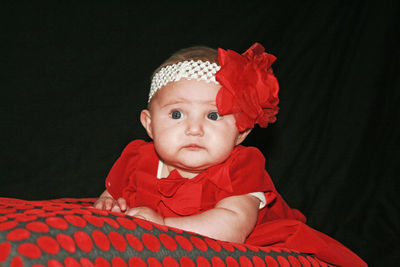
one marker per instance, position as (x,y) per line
(249,88)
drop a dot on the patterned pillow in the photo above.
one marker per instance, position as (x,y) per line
(69,232)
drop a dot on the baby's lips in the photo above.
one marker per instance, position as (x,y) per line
(193,147)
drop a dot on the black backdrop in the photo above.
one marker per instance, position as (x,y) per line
(75,77)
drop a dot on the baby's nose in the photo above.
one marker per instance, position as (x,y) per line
(194,128)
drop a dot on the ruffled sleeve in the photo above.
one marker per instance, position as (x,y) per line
(244,172)
(118,177)
(247,172)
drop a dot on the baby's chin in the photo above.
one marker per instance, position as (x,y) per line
(195,167)
(191,170)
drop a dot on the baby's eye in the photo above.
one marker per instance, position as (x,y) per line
(214,116)
(176,114)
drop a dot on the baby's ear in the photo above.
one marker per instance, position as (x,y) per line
(242,136)
(145,119)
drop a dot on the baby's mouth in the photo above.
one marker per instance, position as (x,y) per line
(193,147)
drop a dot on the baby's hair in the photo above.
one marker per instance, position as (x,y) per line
(195,53)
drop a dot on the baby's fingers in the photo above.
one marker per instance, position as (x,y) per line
(122,204)
(109,203)
(98,204)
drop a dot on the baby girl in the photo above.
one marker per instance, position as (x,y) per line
(195,174)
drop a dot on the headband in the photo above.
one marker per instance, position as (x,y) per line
(197,70)
(249,89)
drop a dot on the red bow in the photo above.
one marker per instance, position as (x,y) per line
(249,88)
(179,194)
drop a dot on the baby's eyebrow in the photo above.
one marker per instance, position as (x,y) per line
(189,102)
(173,102)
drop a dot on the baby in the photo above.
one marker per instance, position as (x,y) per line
(195,175)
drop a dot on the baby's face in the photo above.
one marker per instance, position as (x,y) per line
(187,131)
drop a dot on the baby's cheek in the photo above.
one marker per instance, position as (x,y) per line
(164,149)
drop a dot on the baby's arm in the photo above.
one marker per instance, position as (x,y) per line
(107,202)
(232,219)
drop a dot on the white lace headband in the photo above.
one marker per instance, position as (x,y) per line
(198,70)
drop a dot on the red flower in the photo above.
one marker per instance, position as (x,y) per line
(249,88)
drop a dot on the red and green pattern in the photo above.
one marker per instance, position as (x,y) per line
(69,232)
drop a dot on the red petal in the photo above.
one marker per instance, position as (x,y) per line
(224,101)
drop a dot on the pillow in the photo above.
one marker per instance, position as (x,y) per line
(69,232)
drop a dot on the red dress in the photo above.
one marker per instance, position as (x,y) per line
(134,177)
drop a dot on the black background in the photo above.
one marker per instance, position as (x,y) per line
(74,77)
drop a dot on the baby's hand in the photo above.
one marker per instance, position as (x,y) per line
(146,214)
(109,203)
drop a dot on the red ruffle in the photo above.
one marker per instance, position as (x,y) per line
(249,88)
